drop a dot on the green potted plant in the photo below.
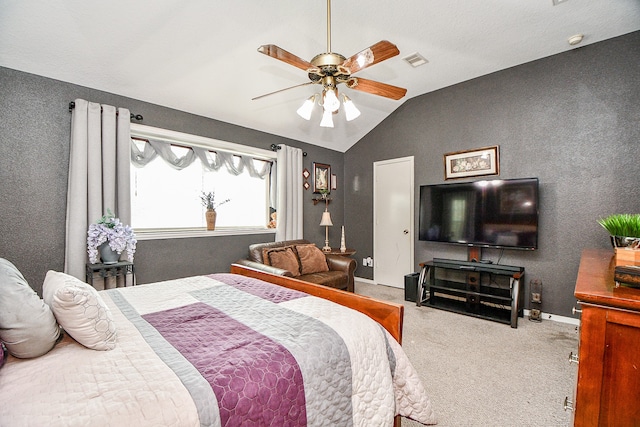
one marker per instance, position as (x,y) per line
(623,228)
(209,202)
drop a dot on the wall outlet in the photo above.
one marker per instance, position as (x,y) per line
(535,315)
(369,262)
(364,262)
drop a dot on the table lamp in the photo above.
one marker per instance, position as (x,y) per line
(326,222)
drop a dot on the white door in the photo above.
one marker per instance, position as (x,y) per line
(393,221)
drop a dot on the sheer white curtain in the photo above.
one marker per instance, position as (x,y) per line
(289,207)
(99,161)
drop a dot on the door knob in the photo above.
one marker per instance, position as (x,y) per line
(406,231)
(575,311)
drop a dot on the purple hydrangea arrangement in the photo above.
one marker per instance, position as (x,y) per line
(109,229)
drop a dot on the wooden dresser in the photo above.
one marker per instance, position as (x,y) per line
(608,383)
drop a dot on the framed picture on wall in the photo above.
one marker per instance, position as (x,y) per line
(478,162)
(321,178)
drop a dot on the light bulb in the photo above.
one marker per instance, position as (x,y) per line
(331,102)
(327,120)
(350,110)
(307,108)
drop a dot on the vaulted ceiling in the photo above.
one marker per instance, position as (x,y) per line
(201,56)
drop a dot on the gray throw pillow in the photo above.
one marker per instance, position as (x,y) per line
(27,325)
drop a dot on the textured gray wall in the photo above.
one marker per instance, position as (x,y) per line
(572,120)
(34,156)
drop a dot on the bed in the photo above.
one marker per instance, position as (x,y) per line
(244,348)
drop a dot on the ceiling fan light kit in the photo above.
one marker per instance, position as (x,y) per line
(350,110)
(330,69)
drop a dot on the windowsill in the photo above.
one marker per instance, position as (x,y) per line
(183,233)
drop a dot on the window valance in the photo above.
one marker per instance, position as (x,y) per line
(211,160)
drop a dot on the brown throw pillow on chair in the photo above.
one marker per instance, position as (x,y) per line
(283,257)
(312,259)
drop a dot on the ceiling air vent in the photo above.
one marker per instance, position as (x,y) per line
(415,60)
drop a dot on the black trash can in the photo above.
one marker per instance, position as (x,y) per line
(411,286)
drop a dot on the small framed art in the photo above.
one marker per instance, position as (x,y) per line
(321,177)
(306,174)
(470,163)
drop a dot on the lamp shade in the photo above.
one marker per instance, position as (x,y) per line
(330,101)
(326,219)
(350,110)
(305,110)
(327,119)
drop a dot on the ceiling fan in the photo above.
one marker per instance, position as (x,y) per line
(330,69)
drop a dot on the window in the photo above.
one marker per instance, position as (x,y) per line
(166,198)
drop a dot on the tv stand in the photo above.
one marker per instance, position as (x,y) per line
(487,291)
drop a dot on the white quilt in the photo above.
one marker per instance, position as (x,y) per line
(138,384)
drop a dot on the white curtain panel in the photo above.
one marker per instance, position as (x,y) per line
(99,163)
(289,181)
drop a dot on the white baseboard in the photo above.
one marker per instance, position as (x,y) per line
(361,279)
(556,318)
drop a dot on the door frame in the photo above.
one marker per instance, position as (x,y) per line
(410,164)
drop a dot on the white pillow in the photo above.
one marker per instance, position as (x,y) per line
(27,325)
(80,311)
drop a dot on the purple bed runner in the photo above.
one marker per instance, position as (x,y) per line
(264,290)
(264,364)
(257,381)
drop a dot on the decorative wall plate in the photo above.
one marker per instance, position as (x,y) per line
(306,185)
(306,173)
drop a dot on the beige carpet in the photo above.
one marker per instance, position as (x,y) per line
(487,374)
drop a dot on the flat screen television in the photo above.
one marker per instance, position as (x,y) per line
(500,213)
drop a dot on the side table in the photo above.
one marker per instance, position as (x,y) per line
(119,269)
(336,251)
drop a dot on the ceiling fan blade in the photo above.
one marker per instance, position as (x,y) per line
(376,88)
(284,56)
(282,90)
(371,55)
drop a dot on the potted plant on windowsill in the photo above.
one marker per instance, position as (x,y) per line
(110,237)
(209,202)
